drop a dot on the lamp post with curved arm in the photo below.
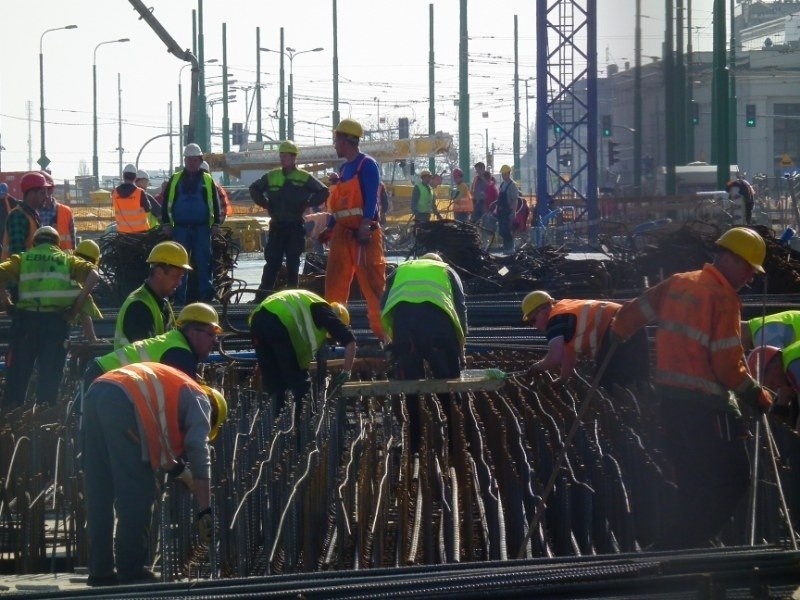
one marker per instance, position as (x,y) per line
(95,160)
(43,160)
(291,53)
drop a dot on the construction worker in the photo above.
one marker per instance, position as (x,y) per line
(133,206)
(425,317)
(699,361)
(478,191)
(183,348)
(579,328)
(356,239)
(423,201)
(741,192)
(461,197)
(507,200)
(23,220)
(225,206)
(778,369)
(147,312)
(89,251)
(191,215)
(7,204)
(779,329)
(58,215)
(47,304)
(139,420)
(286,193)
(288,328)
(143,181)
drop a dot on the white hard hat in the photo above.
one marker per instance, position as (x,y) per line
(129,170)
(204,167)
(140,174)
(192,150)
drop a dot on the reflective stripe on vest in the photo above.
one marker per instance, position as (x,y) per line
(128,212)
(63,219)
(293,308)
(154,390)
(420,281)
(592,320)
(33,225)
(45,280)
(149,350)
(208,183)
(141,294)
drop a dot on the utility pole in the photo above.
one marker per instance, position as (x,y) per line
(720,139)
(516,100)
(226,126)
(463,96)
(732,109)
(335,116)
(431,79)
(669,102)
(119,121)
(258,85)
(637,103)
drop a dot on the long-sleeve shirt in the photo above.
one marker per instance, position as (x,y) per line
(18,228)
(290,201)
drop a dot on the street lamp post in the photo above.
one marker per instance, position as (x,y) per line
(95,160)
(43,160)
(291,53)
(180,97)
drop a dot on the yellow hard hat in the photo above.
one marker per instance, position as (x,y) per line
(341,311)
(89,250)
(219,410)
(746,244)
(46,234)
(288,147)
(170,253)
(350,127)
(199,312)
(505,169)
(533,301)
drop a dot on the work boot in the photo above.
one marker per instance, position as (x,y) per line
(102,581)
(145,576)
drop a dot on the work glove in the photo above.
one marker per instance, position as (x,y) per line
(341,378)
(205,526)
(325,236)
(364,233)
(760,398)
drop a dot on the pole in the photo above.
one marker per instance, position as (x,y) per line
(516,141)
(528,153)
(43,160)
(290,123)
(463,87)
(721,102)
(258,85)
(680,88)
(171,151)
(335,116)
(637,102)
(732,108)
(689,85)
(203,133)
(431,87)
(95,160)
(669,102)
(226,128)
(119,122)
(282,122)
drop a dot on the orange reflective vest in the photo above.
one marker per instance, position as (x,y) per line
(63,226)
(33,225)
(592,320)
(225,205)
(462,199)
(154,390)
(345,200)
(128,212)
(698,343)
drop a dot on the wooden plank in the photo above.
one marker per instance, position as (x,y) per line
(419,386)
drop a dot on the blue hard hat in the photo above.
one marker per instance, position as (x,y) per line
(3,190)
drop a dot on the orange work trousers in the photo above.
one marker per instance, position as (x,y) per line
(347,258)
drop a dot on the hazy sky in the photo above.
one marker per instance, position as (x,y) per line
(383,55)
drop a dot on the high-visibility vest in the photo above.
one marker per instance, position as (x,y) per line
(141,294)
(44,279)
(208,184)
(780,329)
(154,390)
(128,212)
(420,281)
(461,204)
(149,350)
(62,225)
(790,354)
(425,201)
(346,202)
(592,320)
(33,225)
(293,308)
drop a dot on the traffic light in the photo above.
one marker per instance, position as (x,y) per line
(607,125)
(557,128)
(649,167)
(402,126)
(237,134)
(750,115)
(613,153)
(695,113)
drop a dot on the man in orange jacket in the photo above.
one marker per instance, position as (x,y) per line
(137,420)
(699,361)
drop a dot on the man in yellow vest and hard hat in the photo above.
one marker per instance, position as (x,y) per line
(139,420)
(48,302)
(147,311)
(288,328)
(89,251)
(286,192)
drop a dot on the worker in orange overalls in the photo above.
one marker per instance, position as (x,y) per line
(356,240)
(699,361)
(579,328)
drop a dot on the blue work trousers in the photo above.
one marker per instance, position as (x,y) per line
(197,241)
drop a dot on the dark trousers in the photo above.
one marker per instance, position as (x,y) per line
(277,359)
(116,477)
(424,334)
(285,239)
(708,454)
(629,364)
(504,227)
(35,337)
(197,241)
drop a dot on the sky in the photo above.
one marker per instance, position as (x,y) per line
(383,70)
